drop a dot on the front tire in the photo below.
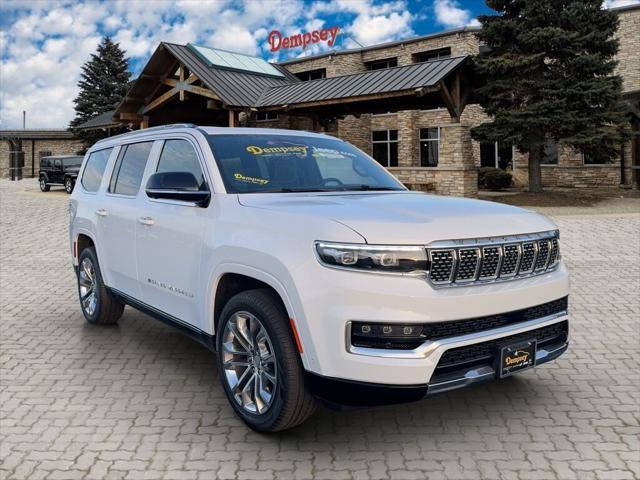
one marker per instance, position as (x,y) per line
(44,187)
(259,364)
(69,184)
(99,306)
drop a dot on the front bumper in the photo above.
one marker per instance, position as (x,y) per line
(472,359)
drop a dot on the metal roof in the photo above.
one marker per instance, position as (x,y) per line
(396,79)
(38,134)
(103,120)
(234,88)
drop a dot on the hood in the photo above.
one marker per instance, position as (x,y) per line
(406,217)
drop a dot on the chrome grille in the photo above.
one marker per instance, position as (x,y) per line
(468,262)
(464,262)
(510,260)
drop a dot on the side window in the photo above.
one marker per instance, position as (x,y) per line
(57,163)
(179,156)
(94,169)
(129,168)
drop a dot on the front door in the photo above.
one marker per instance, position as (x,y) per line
(170,239)
(56,173)
(119,218)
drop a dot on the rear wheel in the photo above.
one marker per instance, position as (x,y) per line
(43,185)
(69,184)
(259,363)
(99,306)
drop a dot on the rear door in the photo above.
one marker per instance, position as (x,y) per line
(119,213)
(170,239)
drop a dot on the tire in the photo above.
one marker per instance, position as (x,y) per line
(69,184)
(282,404)
(44,187)
(99,306)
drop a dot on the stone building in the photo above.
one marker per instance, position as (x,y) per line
(409,104)
(35,144)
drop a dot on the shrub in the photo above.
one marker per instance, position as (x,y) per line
(497,179)
(481,174)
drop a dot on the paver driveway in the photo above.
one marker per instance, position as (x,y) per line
(140,401)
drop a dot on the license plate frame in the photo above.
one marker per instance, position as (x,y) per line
(517,357)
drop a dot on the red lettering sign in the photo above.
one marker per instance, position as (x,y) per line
(276,41)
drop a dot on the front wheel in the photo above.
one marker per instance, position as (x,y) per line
(44,187)
(259,363)
(99,305)
(69,184)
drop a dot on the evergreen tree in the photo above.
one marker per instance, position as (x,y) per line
(103,83)
(549,75)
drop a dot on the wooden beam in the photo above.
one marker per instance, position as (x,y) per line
(192,78)
(205,92)
(160,100)
(213,105)
(181,70)
(144,123)
(449,101)
(233,118)
(130,116)
(171,82)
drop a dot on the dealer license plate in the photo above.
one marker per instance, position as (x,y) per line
(516,357)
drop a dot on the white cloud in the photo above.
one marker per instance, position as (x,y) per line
(448,13)
(45,42)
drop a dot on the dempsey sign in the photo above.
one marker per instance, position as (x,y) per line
(277,41)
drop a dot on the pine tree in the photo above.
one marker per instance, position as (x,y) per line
(103,83)
(549,76)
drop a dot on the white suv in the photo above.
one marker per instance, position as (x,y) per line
(310,270)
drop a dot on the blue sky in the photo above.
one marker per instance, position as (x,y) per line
(43,43)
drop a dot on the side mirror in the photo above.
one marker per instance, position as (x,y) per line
(181,186)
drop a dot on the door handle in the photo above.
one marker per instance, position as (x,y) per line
(102,212)
(146,221)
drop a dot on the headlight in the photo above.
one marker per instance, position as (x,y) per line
(373,258)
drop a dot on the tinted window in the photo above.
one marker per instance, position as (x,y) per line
(57,163)
(72,162)
(94,169)
(277,163)
(127,174)
(550,153)
(179,156)
(429,146)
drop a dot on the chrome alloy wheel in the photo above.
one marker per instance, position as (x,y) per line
(87,282)
(68,185)
(43,184)
(249,362)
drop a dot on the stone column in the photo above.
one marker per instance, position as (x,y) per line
(408,147)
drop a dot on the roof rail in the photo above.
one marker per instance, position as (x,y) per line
(150,129)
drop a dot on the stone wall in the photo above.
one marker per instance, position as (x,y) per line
(629,51)
(461,43)
(56,147)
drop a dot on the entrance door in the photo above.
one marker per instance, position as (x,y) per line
(497,155)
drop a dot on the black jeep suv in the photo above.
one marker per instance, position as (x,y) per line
(59,170)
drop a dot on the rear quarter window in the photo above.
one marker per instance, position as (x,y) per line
(94,169)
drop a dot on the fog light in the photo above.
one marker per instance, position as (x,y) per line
(390,336)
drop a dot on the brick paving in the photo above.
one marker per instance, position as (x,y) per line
(140,401)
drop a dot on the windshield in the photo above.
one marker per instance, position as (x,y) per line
(291,163)
(72,162)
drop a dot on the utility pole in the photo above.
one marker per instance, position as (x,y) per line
(24,119)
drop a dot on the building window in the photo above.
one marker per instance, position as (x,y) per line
(496,155)
(429,146)
(595,159)
(385,147)
(432,55)
(312,74)
(550,153)
(382,64)
(265,116)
